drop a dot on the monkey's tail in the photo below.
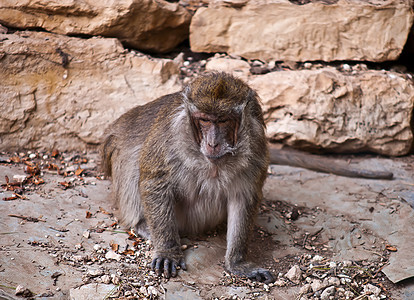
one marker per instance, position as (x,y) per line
(322,164)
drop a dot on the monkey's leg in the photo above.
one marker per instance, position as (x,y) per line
(159,211)
(240,219)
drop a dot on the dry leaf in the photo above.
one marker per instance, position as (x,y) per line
(391,248)
(114,246)
(78,171)
(88,215)
(128,252)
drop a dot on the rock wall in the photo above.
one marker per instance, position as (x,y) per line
(148,25)
(58,91)
(327,109)
(49,105)
(282,30)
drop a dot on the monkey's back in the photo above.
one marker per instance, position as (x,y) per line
(121,151)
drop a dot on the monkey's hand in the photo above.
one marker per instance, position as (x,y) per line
(169,263)
(245,269)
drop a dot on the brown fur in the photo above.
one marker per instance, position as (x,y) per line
(188,161)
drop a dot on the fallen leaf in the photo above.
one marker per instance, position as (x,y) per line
(114,246)
(391,248)
(55,153)
(78,171)
(15,159)
(104,211)
(88,215)
(129,252)
(65,184)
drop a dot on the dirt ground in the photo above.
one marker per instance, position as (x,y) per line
(321,235)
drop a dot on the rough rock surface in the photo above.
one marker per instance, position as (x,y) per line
(149,25)
(282,30)
(58,91)
(339,112)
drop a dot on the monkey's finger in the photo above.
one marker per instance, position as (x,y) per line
(167,264)
(158,268)
(173,269)
(153,264)
(183,265)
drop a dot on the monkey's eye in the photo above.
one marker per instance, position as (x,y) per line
(204,122)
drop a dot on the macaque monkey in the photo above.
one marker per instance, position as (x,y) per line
(189,161)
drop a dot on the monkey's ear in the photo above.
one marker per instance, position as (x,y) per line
(195,126)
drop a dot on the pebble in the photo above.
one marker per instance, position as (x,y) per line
(280,282)
(317,258)
(95,272)
(20,289)
(294,274)
(317,285)
(327,293)
(370,289)
(97,247)
(86,234)
(305,289)
(334,281)
(19,178)
(106,279)
(152,291)
(112,255)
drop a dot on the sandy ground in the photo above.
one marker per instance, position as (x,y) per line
(59,237)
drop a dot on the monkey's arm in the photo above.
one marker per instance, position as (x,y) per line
(159,212)
(297,158)
(240,220)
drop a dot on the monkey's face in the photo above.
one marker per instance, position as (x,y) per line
(216,136)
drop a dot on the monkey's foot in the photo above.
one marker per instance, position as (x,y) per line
(168,265)
(253,273)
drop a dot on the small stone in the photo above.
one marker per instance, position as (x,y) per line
(370,289)
(307,65)
(305,289)
(23,292)
(317,285)
(19,289)
(115,279)
(280,282)
(152,291)
(106,279)
(184,247)
(349,295)
(294,274)
(327,293)
(317,258)
(95,272)
(334,281)
(97,247)
(77,257)
(112,255)
(19,178)
(32,156)
(332,264)
(143,291)
(266,287)
(86,234)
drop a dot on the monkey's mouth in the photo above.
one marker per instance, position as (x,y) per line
(214,158)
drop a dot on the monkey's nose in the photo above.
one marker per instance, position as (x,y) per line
(213,145)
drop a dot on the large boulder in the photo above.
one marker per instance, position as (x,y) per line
(319,30)
(58,91)
(330,110)
(150,25)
